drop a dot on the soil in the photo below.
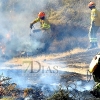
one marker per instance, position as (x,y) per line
(72,69)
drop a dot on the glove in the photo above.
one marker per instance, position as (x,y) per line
(31,25)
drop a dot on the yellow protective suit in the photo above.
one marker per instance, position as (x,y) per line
(95,16)
(44,23)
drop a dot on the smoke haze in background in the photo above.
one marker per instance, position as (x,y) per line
(69,25)
(16,17)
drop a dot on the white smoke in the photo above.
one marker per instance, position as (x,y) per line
(16,17)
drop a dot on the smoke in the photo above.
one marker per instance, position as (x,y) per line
(16,17)
(15,38)
(47,79)
(47,82)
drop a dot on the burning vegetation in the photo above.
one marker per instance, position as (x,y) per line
(69,28)
(11,91)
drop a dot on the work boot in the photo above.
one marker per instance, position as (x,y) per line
(91,45)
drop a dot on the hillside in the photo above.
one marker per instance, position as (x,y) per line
(70,21)
(32,62)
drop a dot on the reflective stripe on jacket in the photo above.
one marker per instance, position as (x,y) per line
(93,39)
(44,23)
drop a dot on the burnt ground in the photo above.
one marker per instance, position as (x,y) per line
(75,73)
(69,71)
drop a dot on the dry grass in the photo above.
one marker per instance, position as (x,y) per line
(59,55)
(49,56)
(69,67)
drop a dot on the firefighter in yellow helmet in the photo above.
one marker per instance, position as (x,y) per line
(43,21)
(95,24)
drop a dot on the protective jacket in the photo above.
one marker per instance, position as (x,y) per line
(44,23)
(95,16)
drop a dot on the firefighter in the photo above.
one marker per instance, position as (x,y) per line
(95,24)
(94,68)
(43,21)
(47,36)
